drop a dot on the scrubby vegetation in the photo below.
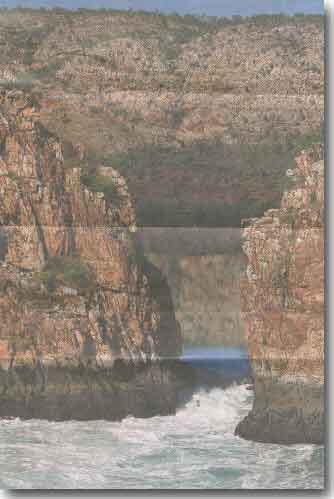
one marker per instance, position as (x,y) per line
(24,31)
(16,85)
(208,184)
(99,183)
(174,102)
(67,271)
(13,176)
(43,72)
(309,140)
(205,214)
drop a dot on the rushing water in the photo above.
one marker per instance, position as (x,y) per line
(196,448)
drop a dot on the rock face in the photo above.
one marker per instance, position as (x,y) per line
(283,307)
(107,302)
(206,296)
(203,268)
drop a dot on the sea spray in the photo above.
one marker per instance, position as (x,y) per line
(195,448)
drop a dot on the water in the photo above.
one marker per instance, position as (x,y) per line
(196,448)
(228,363)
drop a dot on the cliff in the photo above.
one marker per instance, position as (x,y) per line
(203,114)
(283,309)
(203,268)
(197,119)
(206,296)
(77,298)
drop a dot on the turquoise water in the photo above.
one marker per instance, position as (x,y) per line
(196,448)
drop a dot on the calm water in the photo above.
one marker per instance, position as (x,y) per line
(195,448)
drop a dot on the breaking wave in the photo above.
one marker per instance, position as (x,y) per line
(195,448)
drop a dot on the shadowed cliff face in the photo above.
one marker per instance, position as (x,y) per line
(75,287)
(283,308)
(206,296)
(203,268)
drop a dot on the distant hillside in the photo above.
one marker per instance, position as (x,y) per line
(203,117)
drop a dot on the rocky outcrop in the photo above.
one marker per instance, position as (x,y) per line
(283,308)
(76,291)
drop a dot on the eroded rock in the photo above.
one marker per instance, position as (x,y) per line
(100,301)
(283,308)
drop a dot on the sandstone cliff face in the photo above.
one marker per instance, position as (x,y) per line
(46,213)
(283,308)
(206,296)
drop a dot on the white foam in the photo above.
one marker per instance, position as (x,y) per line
(195,448)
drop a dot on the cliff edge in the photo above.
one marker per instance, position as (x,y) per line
(283,308)
(84,319)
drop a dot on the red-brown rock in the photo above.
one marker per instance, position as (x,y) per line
(283,308)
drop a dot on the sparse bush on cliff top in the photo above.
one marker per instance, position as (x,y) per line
(308,141)
(16,85)
(67,271)
(99,183)
(13,176)
(46,71)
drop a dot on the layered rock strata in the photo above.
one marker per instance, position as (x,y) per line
(60,333)
(283,309)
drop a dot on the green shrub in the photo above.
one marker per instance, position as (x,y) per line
(13,176)
(67,271)
(100,183)
(313,198)
(306,141)
(17,85)
(173,213)
(49,70)
(180,180)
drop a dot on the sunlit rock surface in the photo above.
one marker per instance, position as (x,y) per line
(283,308)
(108,303)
